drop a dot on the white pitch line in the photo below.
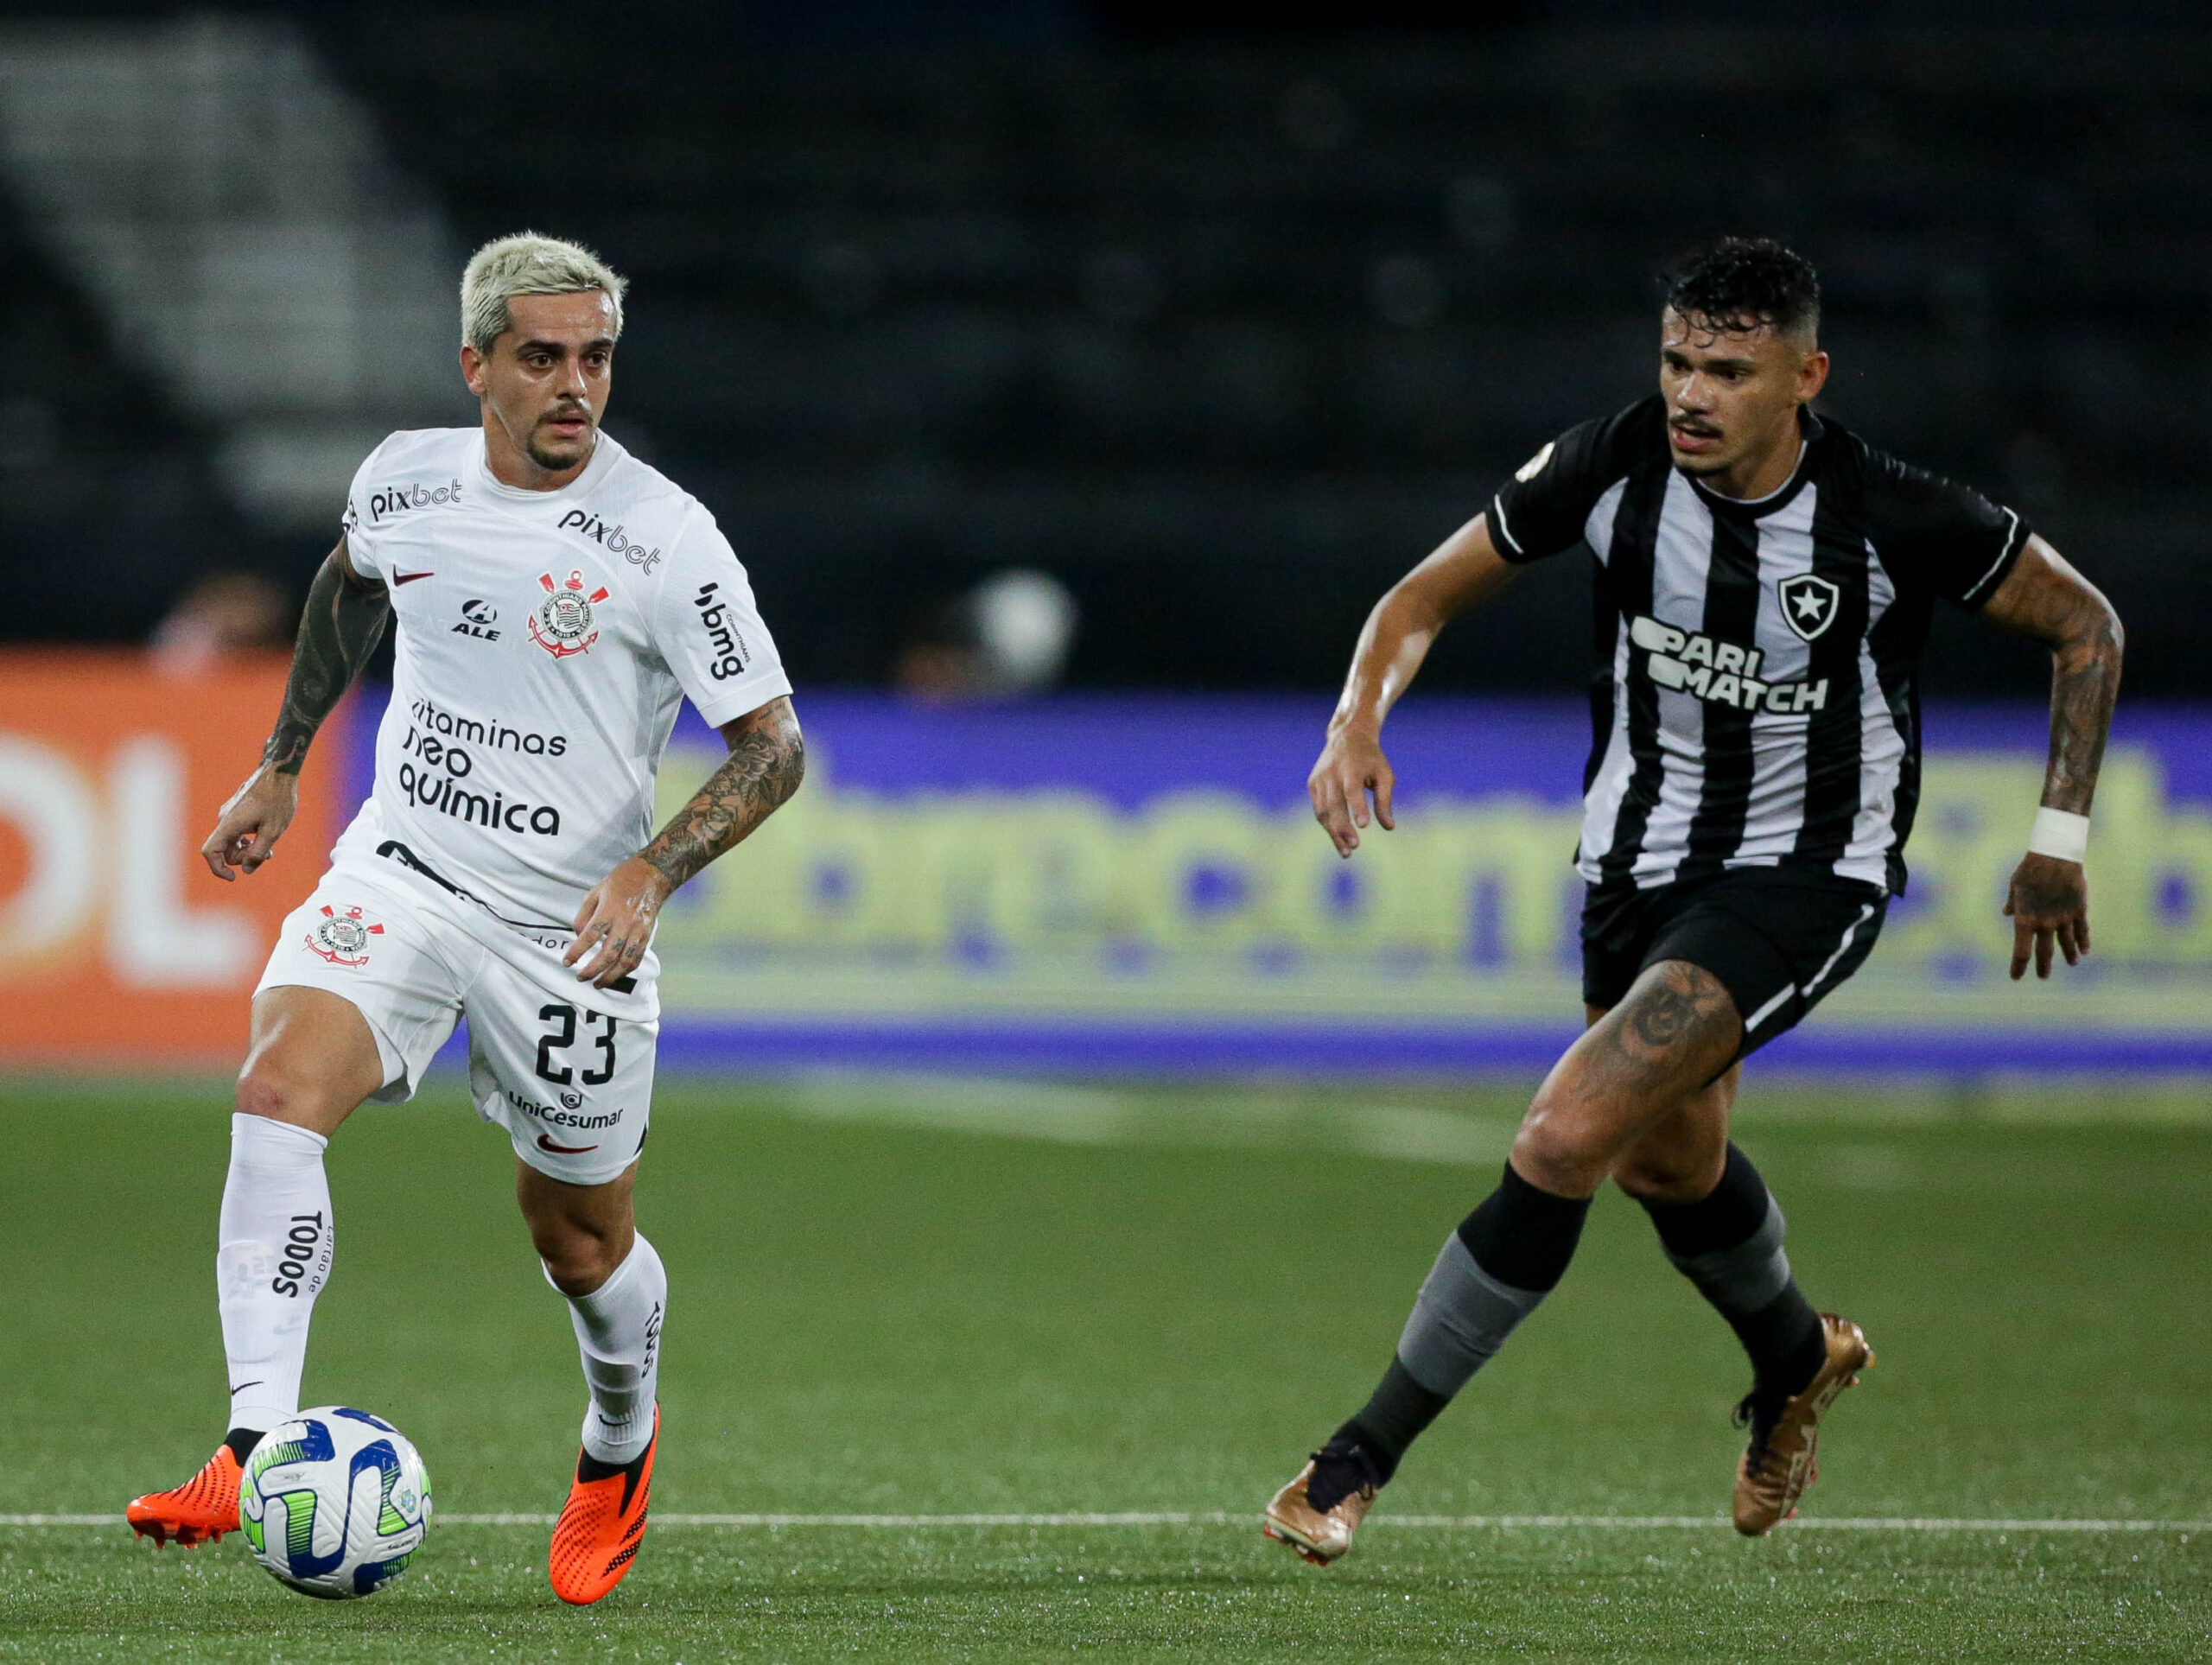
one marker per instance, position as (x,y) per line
(1428,1523)
(1802,1523)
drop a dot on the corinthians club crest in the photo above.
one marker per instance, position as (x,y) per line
(562,624)
(343,938)
(1809,603)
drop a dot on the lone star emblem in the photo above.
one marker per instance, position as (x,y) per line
(1809,603)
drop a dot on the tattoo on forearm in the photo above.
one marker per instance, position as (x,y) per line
(2084,684)
(340,627)
(764,768)
(2045,600)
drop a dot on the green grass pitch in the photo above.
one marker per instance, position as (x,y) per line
(927,1298)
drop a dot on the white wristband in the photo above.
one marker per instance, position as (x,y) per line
(2060,832)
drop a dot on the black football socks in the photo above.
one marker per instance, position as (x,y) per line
(1729,1244)
(1493,1272)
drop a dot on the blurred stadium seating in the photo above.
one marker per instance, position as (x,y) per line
(107,499)
(1224,332)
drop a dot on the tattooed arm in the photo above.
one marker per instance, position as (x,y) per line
(766,761)
(343,621)
(2045,598)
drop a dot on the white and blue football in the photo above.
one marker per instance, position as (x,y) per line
(335,1503)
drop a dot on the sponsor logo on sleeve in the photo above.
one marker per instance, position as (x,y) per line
(1720,673)
(388,500)
(343,938)
(731,654)
(1535,464)
(612,539)
(562,623)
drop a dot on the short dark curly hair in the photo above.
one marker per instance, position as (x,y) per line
(1741,283)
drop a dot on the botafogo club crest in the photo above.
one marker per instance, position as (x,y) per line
(1809,603)
(562,624)
(343,938)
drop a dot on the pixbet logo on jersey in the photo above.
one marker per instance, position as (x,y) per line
(397,499)
(343,938)
(610,538)
(562,624)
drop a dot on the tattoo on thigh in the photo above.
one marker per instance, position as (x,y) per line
(1665,1018)
(1682,1006)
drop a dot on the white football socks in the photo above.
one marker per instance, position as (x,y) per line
(618,1328)
(273,1256)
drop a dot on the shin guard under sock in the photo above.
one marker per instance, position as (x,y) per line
(1492,1272)
(1729,1244)
(618,1331)
(273,1254)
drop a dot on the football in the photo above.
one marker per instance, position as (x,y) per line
(335,1503)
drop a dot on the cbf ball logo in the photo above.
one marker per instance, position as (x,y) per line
(562,624)
(343,938)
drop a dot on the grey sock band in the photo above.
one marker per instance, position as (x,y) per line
(1745,1278)
(1462,1316)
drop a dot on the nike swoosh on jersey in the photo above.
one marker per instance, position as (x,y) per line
(399,577)
(545,1144)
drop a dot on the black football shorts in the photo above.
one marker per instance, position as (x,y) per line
(1777,938)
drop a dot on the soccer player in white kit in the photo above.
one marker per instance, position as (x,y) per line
(556,600)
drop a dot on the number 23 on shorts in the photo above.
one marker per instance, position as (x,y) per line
(562,1035)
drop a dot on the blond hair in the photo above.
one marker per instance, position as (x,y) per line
(529,264)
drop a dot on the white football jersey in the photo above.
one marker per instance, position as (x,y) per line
(545,640)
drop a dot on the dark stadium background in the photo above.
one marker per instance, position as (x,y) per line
(1222,319)
(1021,1246)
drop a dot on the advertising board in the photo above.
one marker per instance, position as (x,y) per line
(1095,884)
(117,947)
(1139,884)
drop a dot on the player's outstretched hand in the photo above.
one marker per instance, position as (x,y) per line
(2048,901)
(250,824)
(614,926)
(1350,765)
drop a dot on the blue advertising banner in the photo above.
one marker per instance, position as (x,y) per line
(1119,884)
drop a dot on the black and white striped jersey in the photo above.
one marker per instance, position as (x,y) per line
(1758,705)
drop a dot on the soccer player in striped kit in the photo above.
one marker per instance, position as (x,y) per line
(1764,581)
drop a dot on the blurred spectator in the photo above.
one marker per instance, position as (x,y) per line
(221,616)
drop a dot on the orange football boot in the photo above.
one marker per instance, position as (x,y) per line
(601,1526)
(199,1511)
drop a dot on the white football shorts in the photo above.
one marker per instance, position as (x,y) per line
(567,1069)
